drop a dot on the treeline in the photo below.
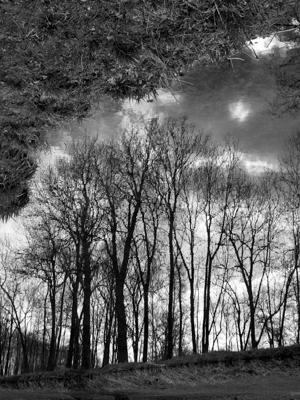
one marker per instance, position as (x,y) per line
(155,245)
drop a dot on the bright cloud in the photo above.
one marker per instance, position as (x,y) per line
(239,110)
(257,166)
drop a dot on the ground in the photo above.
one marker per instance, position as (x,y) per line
(278,378)
(275,386)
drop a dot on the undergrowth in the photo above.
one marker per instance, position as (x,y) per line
(191,370)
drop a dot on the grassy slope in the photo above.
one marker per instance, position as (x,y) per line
(269,374)
(276,385)
(57,56)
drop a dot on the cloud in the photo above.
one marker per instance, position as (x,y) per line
(239,110)
(258,165)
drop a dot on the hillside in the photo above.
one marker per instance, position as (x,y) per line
(263,374)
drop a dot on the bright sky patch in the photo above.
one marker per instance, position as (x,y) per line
(239,110)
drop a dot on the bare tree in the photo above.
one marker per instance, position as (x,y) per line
(178,148)
(214,180)
(41,259)
(186,235)
(146,249)
(72,196)
(251,230)
(290,178)
(123,174)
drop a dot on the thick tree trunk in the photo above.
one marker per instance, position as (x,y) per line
(298,304)
(86,330)
(106,352)
(146,324)
(60,322)
(114,356)
(121,321)
(74,323)
(192,316)
(18,356)
(107,335)
(6,370)
(206,307)
(136,336)
(240,333)
(25,362)
(52,348)
(180,314)
(76,355)
(43,361)
(170,322)
(252,321)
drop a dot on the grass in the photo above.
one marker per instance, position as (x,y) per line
(267,374)
(214,366)
(226,358)
(275,379)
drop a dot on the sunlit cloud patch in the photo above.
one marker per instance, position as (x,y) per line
(137,112)
(239,110)
(257,166)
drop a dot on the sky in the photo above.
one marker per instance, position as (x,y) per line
(221,101)
(236,102)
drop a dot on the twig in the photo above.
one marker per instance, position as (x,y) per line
(218,11)
(235,58)
(253,51)
(183,81)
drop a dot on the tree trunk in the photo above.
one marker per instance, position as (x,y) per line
(282,322)
(146,324)
(25,362)
(17,358)
(252,321)
(136,336)
(76,355)
(170,322)
(74,323)
(114,357)
(43,362)
(86,331)
(9,348)
(298,304)
(52,348)
(121,321)
(60,322)
(206,307)
(192,315)
(180,314)
(107,334)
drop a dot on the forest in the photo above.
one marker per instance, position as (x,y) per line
(153,245)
